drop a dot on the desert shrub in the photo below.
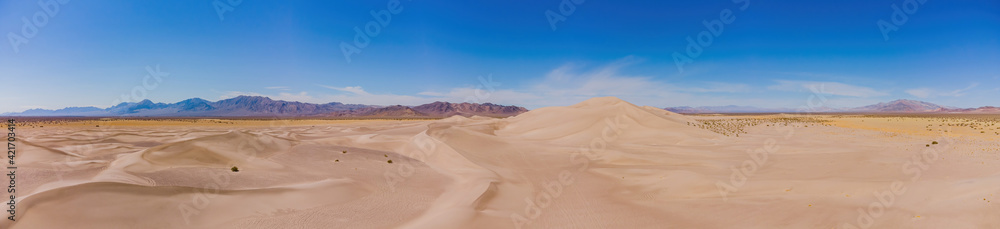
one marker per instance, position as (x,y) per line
(934,143)
(235,169)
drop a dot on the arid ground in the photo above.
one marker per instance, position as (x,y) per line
(603,163)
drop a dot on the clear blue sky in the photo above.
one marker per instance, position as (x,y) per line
(90,53)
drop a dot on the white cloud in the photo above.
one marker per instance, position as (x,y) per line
(564,85)
(960,92)
(357,90)
(571,83)
(930,93)
(920,92)
(301,96)
(828,88)
(713,87)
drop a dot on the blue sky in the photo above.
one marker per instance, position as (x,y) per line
(96,53)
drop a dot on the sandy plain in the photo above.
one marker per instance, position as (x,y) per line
(602,163)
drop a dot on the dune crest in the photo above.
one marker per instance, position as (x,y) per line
(580,123)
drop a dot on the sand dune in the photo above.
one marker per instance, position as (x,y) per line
(235,148)
(580,123)
(602,163)
(135,204)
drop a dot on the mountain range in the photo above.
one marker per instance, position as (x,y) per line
(258,106)
(897,106)
(435,109)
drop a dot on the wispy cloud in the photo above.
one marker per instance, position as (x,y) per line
(828,88)
(960,92)
(571,83)
(282,88)
(930,93)
(920,92)
(481,95)
(605,80)
(357,90)
(717,87)
(564,85)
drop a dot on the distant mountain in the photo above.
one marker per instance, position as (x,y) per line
(436,109)
(446,109)
(897,106)
(132,108)
(258,106)
(901,106)
(263,106)
(986,109)
(240,106)
(84,111)
(397,111)
(195,104)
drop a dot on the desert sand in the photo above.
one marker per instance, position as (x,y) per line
(602,163)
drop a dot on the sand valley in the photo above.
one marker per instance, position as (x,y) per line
(602,163)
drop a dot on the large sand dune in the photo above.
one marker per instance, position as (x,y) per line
(602,163)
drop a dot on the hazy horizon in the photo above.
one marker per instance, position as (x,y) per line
(759,109)
(761,54)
